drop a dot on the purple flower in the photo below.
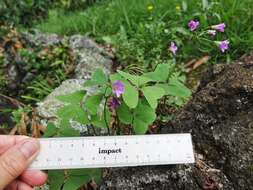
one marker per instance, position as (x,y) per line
(113,103)
(193,25)
(211,32)
(223,45)
(173,48)
(219,27)
(118,88)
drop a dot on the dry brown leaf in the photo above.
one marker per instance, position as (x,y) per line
(189,63)
(21,126)
(200,62)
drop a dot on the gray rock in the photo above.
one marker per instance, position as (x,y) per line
(40,39)
(89,56)
(220,119)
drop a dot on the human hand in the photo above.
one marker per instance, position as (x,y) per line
(16,153)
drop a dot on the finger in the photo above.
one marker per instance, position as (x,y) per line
(34,177)
(15,160)
(18,185)
(7,141)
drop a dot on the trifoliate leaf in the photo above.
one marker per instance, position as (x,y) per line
(92,103)
(176,89)
(124,113)
(73,98)
(73,112)
(144,115)
(98,78)
(160,74)
(130,95)
(134,79)
(152,94)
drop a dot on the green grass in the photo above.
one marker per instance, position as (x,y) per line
(138,34)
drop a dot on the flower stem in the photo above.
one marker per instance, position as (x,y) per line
(106,122)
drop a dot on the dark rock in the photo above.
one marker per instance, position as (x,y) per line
(220,119)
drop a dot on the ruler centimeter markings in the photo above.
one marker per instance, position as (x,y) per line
(114,151)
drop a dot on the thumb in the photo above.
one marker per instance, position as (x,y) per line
(15,160)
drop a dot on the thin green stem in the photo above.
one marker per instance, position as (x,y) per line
(105,104)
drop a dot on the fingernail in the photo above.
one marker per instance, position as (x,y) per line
(29,147)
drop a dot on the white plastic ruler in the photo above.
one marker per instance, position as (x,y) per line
(114,151)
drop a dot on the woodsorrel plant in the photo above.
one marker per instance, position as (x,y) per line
(123,103)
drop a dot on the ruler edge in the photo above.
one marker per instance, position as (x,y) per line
(190,161)
(116,136)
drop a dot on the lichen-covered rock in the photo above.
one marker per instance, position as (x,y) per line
(220,119)
(89,56)
(40,39)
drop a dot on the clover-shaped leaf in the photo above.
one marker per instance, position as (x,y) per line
(144,115)
(152,94)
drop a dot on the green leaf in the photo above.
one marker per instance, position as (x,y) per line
(98,78)
(152,94)
(144,115)
(124,113)
(160,74)
(176,88)
(140,127)
(82,176)
(92,173)
(116,76)
(99,121)
(56,179)
(182,30)
(51,130)
(92,103)
(73,98)
(205,4)
(109,39)
(73,183)
(130,95)
(67,131)
(107,91)
(73,112)
(184,6)
(134,79)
